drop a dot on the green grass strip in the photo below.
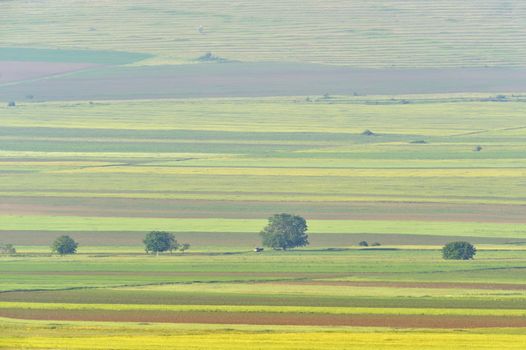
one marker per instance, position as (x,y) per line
(78,223)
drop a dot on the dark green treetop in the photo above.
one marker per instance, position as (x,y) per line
(159,241)
(459,250)
(64,245)
(285,231)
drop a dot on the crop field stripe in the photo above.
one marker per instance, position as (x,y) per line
(267,309)
(221,340)
(327,172)
(78,223)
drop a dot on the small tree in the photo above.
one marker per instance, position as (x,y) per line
(285,231)
(159,241)
(458,251)
(363,244)
(184,246)
(7,249)
(64,245)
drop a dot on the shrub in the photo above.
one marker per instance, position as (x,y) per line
(363,244)
(183,247)
(7,249)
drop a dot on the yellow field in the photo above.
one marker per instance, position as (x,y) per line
(267,308)
(282,341)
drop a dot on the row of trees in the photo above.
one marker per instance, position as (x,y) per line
(155,242)
(283,231)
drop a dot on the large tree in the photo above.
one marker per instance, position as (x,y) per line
(159,241)
(458,251)
(285,231)
(64,245)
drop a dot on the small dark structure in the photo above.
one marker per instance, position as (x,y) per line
(258,249)
(368,133)
(11,104)
(477,149)
(210,57)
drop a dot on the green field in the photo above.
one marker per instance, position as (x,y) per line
(212,171)
(225,165)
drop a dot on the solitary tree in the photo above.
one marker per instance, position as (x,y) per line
(285,231)
(64,245)
(458,251)
(159,241)
(363,244)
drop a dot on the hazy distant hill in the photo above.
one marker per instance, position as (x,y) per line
(380,33)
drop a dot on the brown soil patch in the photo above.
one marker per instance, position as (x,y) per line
(404,321)
(11,71)
(224,239)
(267,79)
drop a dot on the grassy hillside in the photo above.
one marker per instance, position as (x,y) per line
(410,33)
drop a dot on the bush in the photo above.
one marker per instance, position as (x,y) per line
(458,251)
(363,244)
(375,244)
(7,249)
(183,247)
